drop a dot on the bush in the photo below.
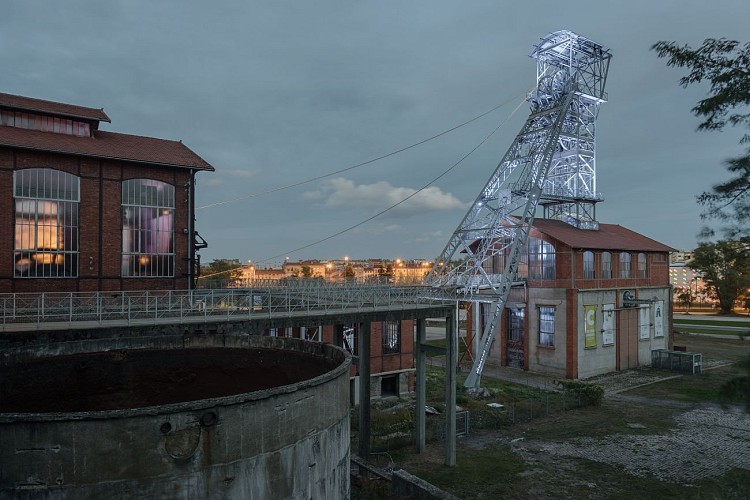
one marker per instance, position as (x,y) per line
(589,394)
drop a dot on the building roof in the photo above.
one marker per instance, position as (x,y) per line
(607,237)
(22,103)
(109,145)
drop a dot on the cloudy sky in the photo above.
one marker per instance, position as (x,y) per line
(278,92)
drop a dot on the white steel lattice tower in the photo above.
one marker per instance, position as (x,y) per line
(551,162)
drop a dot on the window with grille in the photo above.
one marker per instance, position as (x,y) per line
(46,223)
(541,259)
(546,325)
(349,338)
(391,337)
(625,265)
(147,228)
(588,265)
(642,266)
(515,323)
(606,265)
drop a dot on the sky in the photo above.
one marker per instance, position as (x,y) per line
(275,93)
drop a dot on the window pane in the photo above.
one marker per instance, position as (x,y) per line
(642,266)
(46,226)
(547,325)
(147,228)
(625,265)
(391,336)
(588,265)
(606,265)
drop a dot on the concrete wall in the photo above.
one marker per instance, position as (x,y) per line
(602,359)
(286,442)
(547,359)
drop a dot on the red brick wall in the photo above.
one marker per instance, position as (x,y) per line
(571,340)
(100,225)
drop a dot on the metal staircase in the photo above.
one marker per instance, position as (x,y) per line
(550,162)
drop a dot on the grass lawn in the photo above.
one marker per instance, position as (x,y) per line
(498,459)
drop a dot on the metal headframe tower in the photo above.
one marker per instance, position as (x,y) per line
(550,162)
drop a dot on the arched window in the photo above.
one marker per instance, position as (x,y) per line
(588,265)
(606,265)
(46,223)
(147,228)
(541,259)
(642,265)
(625,265)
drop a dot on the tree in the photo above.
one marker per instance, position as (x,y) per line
(725,266)
(685,297)
(228,271)
(306,272)
(725,65)
(349,273)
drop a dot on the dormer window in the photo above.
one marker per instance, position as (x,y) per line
(45,123)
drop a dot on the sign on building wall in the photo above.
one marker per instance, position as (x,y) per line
(608,324)
(659,318)
(644,323)
(589,328)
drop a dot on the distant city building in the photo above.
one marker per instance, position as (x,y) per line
(680,257)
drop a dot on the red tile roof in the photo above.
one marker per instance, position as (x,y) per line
(607,237)
(20,103)
(109,145)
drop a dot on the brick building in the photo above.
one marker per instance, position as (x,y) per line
(391,352)
(87,210)
(594,301)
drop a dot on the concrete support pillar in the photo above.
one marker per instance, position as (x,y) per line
(421,389)
(364,390)
(451,361)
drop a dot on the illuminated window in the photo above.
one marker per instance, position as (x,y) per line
(624,265)
(642,266)
(391,337)
(546,325)
(606,265)
(147,228)
(588,265)
(46,223)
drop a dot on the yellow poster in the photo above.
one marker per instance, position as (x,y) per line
(589,328)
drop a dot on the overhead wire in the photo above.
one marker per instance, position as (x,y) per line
(385,210)
(358,165)
(391,207)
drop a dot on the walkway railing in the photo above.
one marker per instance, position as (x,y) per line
(294,298)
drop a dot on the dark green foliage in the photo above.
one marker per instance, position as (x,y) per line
(226,272)
(725,266)
(590,394)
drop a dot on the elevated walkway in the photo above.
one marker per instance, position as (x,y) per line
(293,300)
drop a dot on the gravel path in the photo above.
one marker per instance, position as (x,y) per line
(707,442)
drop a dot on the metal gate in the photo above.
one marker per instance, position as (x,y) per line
(514,337)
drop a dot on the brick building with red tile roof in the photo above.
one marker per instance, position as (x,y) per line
(593,302)
(90,210)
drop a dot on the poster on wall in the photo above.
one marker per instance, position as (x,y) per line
(608,324)
(589,328)
(659,318)
(644,323)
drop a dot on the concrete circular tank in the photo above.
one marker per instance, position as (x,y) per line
(208,417)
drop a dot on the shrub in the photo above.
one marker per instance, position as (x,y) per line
(589,394)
